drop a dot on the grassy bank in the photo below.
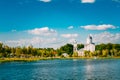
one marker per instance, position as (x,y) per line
(37,59)
(22,59)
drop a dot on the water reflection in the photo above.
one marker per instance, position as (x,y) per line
(89,70)
(88,67)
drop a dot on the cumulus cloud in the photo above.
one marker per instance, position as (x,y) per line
(45,0)
(35,41)
(87,1)
(98,27)
(69,35)
(45,31)
(106,37)
(70,27)
(71,40)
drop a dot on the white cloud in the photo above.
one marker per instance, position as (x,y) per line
(99,27)
(71,40)
(45,31)
(35,41)
(45,0)
(69,35)
(87,1)
(106,37)
(70,27)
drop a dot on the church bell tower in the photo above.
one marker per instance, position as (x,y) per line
(89,39)
(75,46)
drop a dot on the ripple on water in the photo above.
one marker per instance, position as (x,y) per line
(61,70)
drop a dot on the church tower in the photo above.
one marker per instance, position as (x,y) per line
(89,39)
(89,46)
(75,46)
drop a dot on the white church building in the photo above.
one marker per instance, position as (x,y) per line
(89,46)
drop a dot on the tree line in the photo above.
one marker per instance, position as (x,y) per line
(106,50)
(102,50)
(30,51)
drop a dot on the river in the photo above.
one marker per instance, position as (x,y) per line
(66,69)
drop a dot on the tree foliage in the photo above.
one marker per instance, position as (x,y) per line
(68,48)
(80,46)
(102,50)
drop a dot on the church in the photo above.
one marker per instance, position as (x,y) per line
(89,46)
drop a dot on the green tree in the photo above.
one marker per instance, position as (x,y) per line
(75,54)
(18,52)
(115,52)
(112,52)
(80,46)
(105,53)
(68,48)
(86,53)
(95,53)
(1,47)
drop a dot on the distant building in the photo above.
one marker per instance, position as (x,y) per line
(89,46)
(65,55)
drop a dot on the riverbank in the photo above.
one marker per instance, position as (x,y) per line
(21,59)
(49,58)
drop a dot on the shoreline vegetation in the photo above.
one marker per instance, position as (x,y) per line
(51,58)
(26,54)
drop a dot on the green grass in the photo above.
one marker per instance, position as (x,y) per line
(21,59)
(45,58)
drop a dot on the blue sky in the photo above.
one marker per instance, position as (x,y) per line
(53,23)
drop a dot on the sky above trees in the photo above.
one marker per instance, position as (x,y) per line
(53,23)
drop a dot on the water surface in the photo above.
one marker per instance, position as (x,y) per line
(72,69)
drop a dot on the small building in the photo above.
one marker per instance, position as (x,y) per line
(81,52)
(65,55)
